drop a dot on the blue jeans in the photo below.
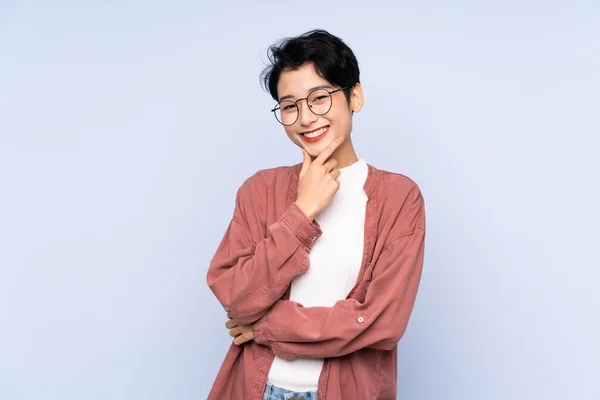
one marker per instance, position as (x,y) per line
(277,393)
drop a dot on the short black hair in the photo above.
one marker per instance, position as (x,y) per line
(333,60)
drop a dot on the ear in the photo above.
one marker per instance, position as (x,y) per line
(356,98)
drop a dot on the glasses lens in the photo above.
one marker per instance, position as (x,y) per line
(319,101)
(286,112)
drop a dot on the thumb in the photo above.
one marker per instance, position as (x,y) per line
(305,163)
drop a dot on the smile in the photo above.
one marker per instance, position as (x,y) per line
(315,135)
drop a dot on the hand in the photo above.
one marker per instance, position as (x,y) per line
(318,183)
(241,333)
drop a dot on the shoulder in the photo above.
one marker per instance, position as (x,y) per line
(256,193)
(400,200)
(397,187)
(263,181)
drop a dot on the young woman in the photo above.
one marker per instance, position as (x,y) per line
(319,268)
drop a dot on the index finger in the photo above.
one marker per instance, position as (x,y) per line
(328,151)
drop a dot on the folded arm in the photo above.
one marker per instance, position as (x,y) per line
(248,275)
(292,330)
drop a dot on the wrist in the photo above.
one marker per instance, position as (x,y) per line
(306,210)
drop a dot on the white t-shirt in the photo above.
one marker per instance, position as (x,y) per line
(335,261)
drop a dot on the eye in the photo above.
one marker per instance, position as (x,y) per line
(320,99)
(288,107)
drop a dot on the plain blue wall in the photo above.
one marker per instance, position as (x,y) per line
(126,129)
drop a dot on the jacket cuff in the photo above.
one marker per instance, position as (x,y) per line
(305,230)
(259,329)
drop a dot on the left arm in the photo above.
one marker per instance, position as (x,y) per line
(292,330)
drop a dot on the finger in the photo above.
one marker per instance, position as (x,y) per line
(239,340)
(330,165)
(335,173)
(242,339)
(328,151)
(235,331)
(232,323)
(305,162)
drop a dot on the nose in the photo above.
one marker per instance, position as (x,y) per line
(307,117)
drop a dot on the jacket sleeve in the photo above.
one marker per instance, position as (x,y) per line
(292,330)
(249,274)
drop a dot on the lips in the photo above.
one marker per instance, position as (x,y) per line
(316,134)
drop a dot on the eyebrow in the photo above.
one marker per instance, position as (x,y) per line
(289,96)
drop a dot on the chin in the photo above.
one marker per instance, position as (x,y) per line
(314,149)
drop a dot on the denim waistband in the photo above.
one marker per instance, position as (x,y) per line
(273,392)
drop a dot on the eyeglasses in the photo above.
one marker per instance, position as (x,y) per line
(319,102)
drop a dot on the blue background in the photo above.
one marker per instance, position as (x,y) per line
(127,127)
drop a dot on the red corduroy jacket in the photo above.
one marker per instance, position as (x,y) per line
(267,245)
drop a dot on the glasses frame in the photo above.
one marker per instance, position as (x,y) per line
(278,106)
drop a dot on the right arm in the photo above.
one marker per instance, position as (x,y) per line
(248,275)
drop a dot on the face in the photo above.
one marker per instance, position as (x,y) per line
(314,132)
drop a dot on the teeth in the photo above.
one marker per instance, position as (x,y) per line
(315,133)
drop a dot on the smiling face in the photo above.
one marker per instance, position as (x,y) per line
(314,132)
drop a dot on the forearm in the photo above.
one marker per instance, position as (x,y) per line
(292,330)
(248,277)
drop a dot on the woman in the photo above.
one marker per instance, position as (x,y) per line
(319,268)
